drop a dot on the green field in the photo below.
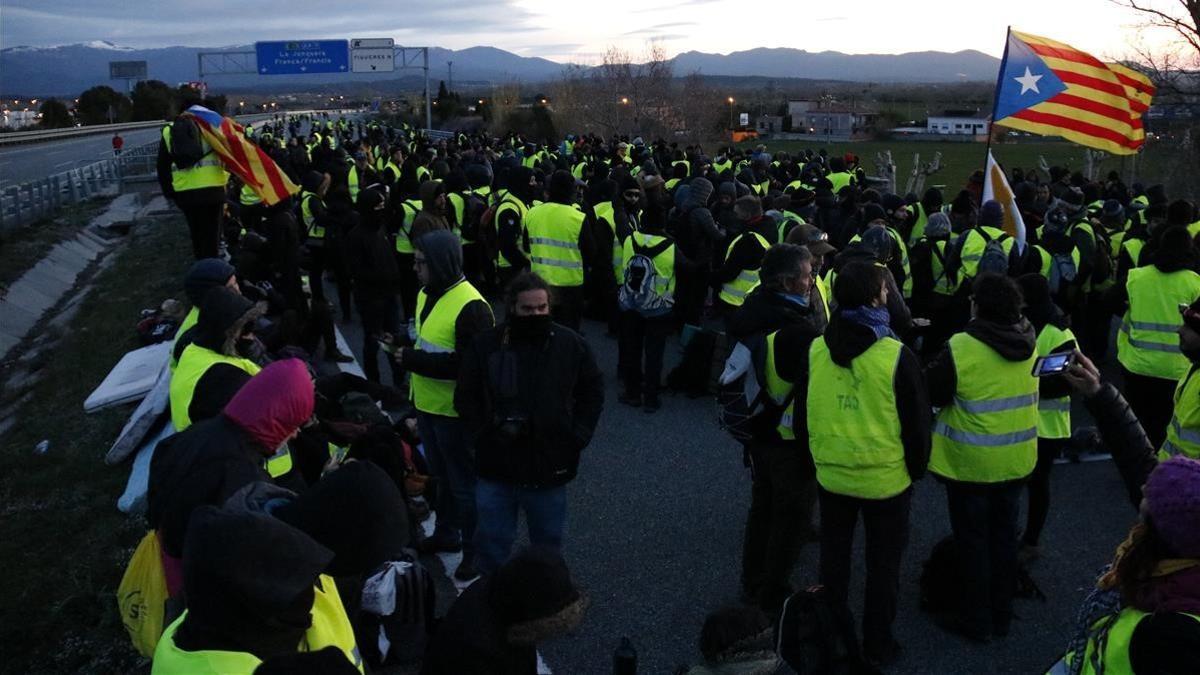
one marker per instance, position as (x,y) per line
(960,159)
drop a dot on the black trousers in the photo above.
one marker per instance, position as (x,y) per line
(329,255)
(984,521)
(409,285)
(642,344)
(1153,401)
(566,305)
(1039,488)
(782,496)
(204,224)
(379,313)
(1093,324)
(886,525)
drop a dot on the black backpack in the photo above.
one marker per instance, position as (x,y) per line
(815,636)
(186,147)
(474,208)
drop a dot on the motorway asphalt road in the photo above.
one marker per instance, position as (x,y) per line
(654,533)
(32,161)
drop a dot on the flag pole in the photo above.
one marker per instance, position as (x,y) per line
(996,99)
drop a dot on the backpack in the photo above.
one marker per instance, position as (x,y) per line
(475,211)
(639,292)
(993,258)
(397,617)
(815,635)
(186,147)
(744,410)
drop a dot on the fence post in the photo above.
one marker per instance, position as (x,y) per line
(73,188)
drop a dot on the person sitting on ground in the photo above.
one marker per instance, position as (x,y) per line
(215,357)
(255,591)
(495,625)
(204,275)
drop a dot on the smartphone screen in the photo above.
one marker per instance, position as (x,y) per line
(1052,364)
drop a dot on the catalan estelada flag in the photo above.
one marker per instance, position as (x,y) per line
(242,158)
(1050,88)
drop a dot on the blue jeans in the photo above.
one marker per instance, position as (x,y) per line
(451,461)
(545,515)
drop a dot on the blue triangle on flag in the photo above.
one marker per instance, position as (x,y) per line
(1025,80)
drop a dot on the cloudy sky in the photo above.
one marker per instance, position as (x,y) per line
(579,31)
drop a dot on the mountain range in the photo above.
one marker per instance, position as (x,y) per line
(69,69)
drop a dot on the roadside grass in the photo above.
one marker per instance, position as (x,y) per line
(62,540)
(24,246)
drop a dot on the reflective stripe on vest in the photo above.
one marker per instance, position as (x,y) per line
(853,425)
(1147,343)
(208,172)
(1183,434)
(1054,414)
(734,292)
(193,363)
(554,253)
(989,433)
(436,333)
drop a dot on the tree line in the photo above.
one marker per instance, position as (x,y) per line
(150,100)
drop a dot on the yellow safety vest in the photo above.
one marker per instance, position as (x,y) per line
(248,197)
(974,245)
(330,628)
(604,212)
(721,167)
(989,433)
(669,186)
(734,292)
(529,161)
(840,180)
(943,282)
(1183,434)
(779,389)
(193,363)
(314,230)
(664,262)
(1148,342)
(190,320)
(918,230)
(352,183)
(1054,414)
(389,165)
(554,251)
(1046,260)
(459,205)
(685,163)
(423,174)
(823,289)
(853,426)
(510,202)
(408,213)
(435,334)
(1112,635)
(208,172)
(1134,248)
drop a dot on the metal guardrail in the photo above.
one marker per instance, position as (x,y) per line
(15,137)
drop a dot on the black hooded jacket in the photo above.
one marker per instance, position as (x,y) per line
(509,228)
(371,255)
(766,310)
(551,381)
(846,341)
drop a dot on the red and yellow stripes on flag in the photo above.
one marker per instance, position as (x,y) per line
(1102,107)
(250,163)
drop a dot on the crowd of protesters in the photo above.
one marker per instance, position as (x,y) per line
(887,336)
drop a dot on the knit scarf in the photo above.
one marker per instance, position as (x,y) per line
(875,318)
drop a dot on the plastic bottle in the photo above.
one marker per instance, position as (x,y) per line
(625,658)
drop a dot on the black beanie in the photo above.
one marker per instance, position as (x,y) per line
(562,187)
(205,275)
(534,584)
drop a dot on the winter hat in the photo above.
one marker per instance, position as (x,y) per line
(534,584)
(727,189)
(891,202)
(312,181)
(992,214)
(938,225)
(873,212)
(1172,495)
(1180,212)
(204,275)
(811,237)
(651,181)
(562,187)
(747,208)
(879,241)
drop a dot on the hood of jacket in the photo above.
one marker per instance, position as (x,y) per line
(518,184)
(429,191)
(203,276)
(766,310)
(223,316)
(847,339)
(443,255)
(273,404)
(249,582)
(699,192)
(1013,341)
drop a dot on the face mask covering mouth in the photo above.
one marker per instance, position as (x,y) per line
(534,325)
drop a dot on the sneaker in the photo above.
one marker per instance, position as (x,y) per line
(629,399)
(440,543)
(466,569)
(651,405)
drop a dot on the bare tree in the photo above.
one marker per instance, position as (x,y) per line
(1185,22)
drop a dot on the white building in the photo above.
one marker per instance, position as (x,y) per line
(975,125)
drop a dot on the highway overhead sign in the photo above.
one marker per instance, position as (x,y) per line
(297,57)
(372,43)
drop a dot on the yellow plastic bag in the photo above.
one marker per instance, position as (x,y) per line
(142,595)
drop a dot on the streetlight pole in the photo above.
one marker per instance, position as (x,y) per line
(731,116)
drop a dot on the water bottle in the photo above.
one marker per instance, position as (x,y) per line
(625,658)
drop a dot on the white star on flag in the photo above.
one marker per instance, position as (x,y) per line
(1028,81)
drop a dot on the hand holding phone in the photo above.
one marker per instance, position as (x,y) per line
(1052,364)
